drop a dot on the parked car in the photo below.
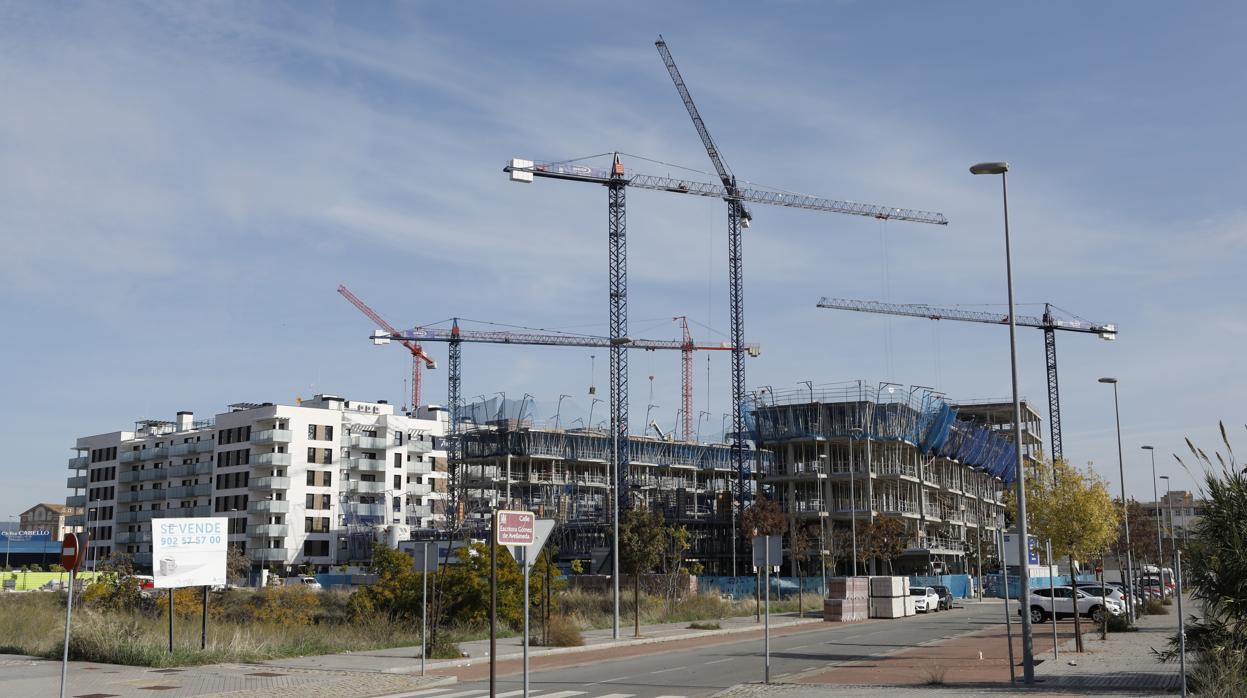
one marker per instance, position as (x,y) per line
(925,599)
(306,581)
(946,596)
(1059,603)
(1111,592)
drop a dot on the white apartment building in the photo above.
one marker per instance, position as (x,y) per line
(298,482)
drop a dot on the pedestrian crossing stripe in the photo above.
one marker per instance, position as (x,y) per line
(484,693)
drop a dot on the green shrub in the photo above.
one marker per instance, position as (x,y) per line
(1154,607)
(704,625)
(1120,624)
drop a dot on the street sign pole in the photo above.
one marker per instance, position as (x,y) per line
(1004,583)
(69,611)
(524,567)
(1052,593)
(203,631)
(170,620)
(493,608)
(424,607)
(1177,573)
(766,628)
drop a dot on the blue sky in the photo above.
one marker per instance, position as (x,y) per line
(183,187)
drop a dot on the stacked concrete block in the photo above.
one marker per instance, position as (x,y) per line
(911,605)
(888,596)
(848,599)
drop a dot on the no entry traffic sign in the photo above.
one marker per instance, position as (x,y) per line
(515,527)
(73,551)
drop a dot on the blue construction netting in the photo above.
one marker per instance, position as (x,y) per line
(864,411)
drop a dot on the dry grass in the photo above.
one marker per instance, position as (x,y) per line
(933,673)
(33,624)
(590,611)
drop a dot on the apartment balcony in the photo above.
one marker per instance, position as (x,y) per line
(281,459)
(76,500)
(419,489)
(419,510)
(78,463)
(128,457)
(269,506)
(203,489)
(362,487)
(122,537)
(76,482)
(270,483)
(181,449)
(272,436)
(189,469)
(937,544)
(419,446)
(154,453)
(146,475)
(143,558)
(369,443)
(417,467)
(366,465)
(268,531)
(371,510)
(204,446)
(126,517)
(75,520)
(183,512)
(268,554)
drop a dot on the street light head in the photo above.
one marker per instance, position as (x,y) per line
(1147,448)
(989,168)
(1108,380)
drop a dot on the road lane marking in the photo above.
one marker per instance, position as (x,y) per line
(425,692)
(462,694)
(563,694)
(617,695)
(508,694)
(717,661)
(674,668)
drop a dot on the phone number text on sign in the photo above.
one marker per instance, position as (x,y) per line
(178,534)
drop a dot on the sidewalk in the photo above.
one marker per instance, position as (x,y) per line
(976,664)
(406,660)
(1122,664)
(31,677)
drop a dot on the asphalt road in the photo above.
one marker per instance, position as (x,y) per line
(703,671)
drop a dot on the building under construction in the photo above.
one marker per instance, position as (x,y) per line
(904,452)
(565,475)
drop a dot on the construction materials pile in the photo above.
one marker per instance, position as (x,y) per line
(847,599)
(888,596)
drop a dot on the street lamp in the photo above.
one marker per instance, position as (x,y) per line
(855,433)
(1160,546)
(1028,649)
(1169,510)
(810,385)
(1125,510)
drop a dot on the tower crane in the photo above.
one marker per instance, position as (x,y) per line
(455,337)
(686,377)
(1048,322)
(417,354)
(617,180)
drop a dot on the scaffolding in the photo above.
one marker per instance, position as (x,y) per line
(565,475)
(903,452)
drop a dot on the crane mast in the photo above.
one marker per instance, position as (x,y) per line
(1048,322)
(686,377)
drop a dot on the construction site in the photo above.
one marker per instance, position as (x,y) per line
(834,456)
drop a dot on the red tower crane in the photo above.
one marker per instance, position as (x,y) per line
(686,382)
(417,353)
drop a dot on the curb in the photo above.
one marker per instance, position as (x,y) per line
(613,644)
(443,681)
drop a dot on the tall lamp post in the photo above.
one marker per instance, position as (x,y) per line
(1125,510)
(1028,649)
(1173,543)
(1160,547)
(854,434)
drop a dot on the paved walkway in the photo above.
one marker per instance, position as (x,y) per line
(405,660)
(976,664)
(29,677)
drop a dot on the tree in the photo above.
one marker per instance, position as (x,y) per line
(237,564)
(675,545)
(1214,560)
(1074,510)
(640,547)
(763,518)
(885,538)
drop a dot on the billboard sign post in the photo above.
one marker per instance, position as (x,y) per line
(189,552)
